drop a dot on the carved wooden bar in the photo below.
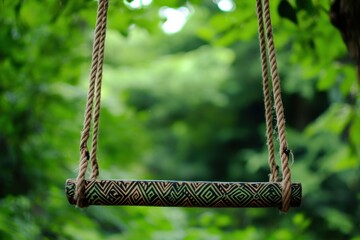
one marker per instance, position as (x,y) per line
(183,193)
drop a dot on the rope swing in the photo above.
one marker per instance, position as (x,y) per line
(275,193)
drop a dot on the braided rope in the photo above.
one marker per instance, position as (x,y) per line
(94,90)
(274,171)
(93,158)
(284,154)
(263,11)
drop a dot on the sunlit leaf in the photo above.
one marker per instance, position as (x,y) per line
(334,120)
(338,220)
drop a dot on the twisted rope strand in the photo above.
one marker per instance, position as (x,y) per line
(85,134)
(93,158)
(284,155)
(274,171)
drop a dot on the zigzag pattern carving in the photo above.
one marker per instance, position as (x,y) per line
(183,194)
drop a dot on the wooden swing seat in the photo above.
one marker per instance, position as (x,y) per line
(183,193)
(282,195)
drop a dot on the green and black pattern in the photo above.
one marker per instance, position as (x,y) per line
(183,194)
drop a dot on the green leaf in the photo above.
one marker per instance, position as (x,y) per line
(338,220)
(334,120)
(327,79)
(355,130)
(306,5)
(286,10)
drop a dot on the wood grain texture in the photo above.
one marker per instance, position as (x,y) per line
(183,194)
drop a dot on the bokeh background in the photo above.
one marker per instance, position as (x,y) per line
(182,99)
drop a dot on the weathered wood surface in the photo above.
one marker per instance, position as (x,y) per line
(183,194)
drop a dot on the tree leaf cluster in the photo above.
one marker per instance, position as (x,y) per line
(181,106)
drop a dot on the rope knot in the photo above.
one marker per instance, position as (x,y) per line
(287,151)
(85,152)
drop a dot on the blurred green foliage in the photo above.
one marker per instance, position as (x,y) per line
(186,105)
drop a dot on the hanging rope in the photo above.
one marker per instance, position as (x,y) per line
(93,93)
(270,75)
(268,60)
(274,169)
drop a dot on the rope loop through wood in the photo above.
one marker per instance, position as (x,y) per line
(92,112)
(269,65)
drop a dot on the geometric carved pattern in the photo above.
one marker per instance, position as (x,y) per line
(183,194)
